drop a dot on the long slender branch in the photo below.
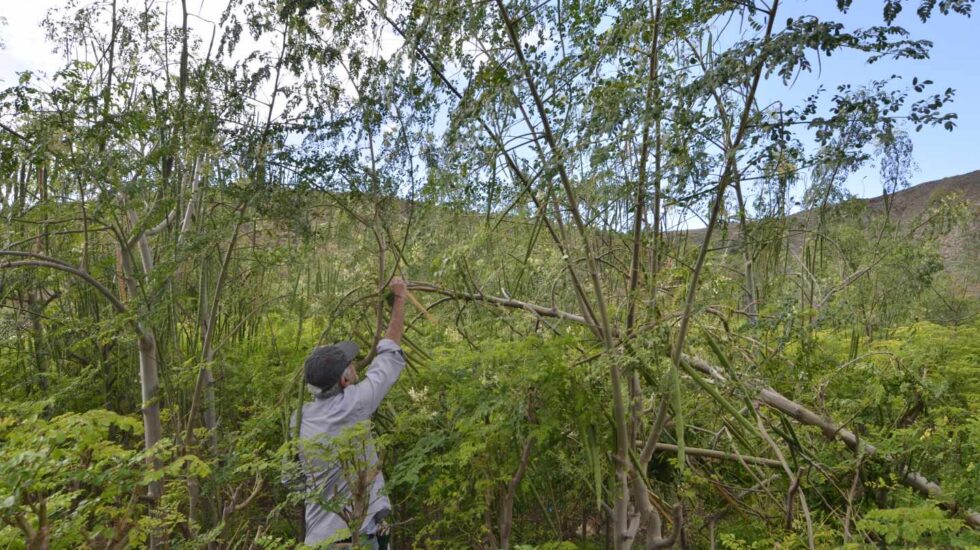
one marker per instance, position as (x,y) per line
(721,455)
(794,484)
(658,426)
(652,98)
(38,260)
(206,348)
(506,302)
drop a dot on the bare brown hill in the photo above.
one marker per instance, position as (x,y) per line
(910,203)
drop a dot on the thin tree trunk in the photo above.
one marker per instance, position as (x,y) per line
(150,384)
(149,372)
(751,294)
(35,309)
(506,520)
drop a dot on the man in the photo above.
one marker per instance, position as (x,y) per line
(341,401)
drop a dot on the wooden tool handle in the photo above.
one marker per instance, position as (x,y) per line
(418,305)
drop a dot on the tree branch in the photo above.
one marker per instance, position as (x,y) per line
(39,260)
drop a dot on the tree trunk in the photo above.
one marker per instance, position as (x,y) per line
(150,383)
(751,294)
(149,366)
(506,521)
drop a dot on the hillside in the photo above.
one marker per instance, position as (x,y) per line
(960,248)
(909,203)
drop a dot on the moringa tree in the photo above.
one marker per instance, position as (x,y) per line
(607,117)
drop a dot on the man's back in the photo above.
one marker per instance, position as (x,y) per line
(326,418)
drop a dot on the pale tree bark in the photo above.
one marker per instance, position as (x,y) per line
(149,365)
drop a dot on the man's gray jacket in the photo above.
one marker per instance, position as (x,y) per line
(324,418)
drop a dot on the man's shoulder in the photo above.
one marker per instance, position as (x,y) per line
(386,345)
(388,352)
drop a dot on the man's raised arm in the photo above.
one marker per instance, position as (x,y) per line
(388,362)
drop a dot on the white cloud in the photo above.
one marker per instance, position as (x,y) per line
(25,47)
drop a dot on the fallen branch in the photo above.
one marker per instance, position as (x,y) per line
(914,480)
(506,302)
(721,455)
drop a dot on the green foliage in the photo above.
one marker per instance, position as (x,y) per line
(467,416)
(565,545)
(921,526)
(71,476)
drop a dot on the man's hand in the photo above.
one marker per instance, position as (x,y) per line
(398,287)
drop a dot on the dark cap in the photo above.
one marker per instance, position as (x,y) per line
(326,364)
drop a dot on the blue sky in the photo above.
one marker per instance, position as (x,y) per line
(954,62)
